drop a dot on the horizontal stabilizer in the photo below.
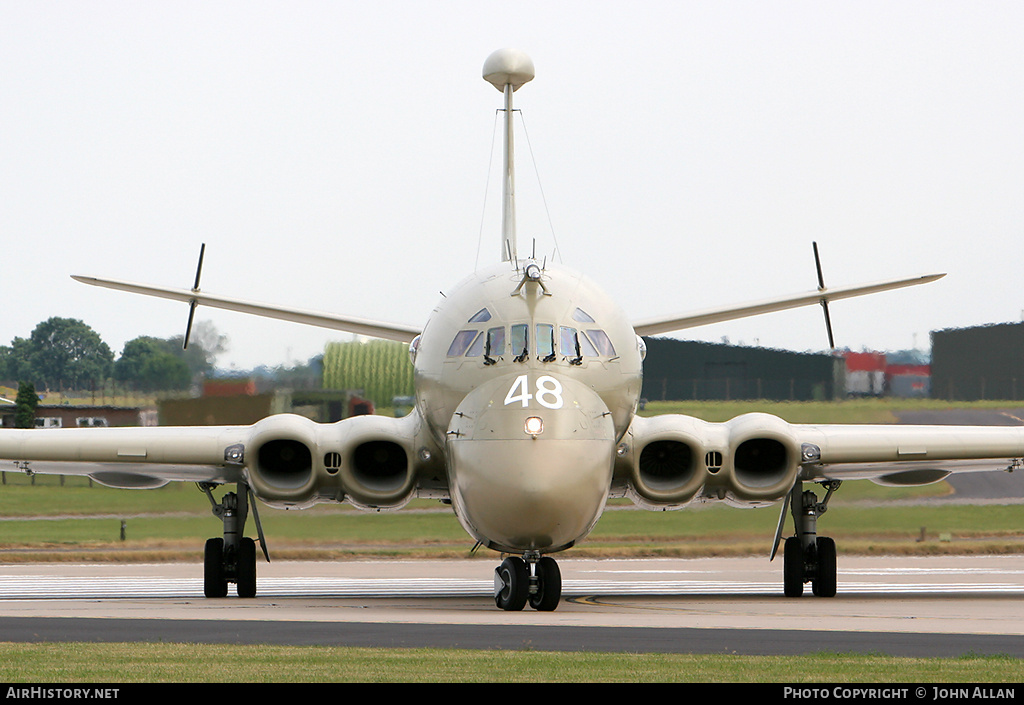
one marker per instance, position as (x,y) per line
(360,326)
(667,324)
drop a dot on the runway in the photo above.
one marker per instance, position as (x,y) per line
(933,606)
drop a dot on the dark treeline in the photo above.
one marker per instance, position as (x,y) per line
(65,353)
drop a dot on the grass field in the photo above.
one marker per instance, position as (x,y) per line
(191,663)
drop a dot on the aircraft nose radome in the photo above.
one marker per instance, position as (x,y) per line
(531,495)
(519,491)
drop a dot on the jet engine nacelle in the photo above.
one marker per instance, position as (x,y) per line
(671,460)
(665,456)
(369,461)
(763,461)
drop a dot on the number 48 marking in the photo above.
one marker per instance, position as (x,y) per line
(549,392)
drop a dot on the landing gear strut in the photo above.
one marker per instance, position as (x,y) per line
(231,559)
(808,557)
(534,578)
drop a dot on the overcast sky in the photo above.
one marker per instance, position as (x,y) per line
(335,155)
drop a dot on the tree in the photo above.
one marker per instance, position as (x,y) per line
(16,360)
(25,405)
(151,365)
(204,345)
(65,352)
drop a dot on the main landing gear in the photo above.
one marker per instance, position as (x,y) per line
(231,559)
(533,578)
(807,557)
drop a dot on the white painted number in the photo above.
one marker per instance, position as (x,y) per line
(524,396)
(549,392)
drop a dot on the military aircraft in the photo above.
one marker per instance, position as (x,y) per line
(527,382)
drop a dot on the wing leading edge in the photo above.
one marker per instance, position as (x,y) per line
(350,324)
(906,455)
(287,460)
(758,459)
(667,324)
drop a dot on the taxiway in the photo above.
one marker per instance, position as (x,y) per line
(931,606)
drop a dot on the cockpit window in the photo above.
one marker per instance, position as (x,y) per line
(581,316)
(477,348)
(481,316)
(461,343)
(546,341)
(575,345)
(520,341)
(602,342)
(495,345)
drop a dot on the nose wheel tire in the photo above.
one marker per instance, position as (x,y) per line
(549,585)
(514,587)
(511,584)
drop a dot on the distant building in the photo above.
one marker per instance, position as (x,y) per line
(865,374)
(984,362)
(236,403)
(875,374)
(79,415)
(685,369)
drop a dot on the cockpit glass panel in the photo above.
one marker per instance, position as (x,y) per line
(567,341)
(602,342)
(481,316)
(477,348)
(571,338)
(495,342)
(545,339)
(581,316)
(520,339)
(461,343)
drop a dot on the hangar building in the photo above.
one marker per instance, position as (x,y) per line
(984,362)
(685,369)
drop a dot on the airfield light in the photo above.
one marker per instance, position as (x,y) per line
(534,426)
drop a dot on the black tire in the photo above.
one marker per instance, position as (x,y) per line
(824,584)
(793,568)
(215,584)
(512,584)
(245,568)
(549,585)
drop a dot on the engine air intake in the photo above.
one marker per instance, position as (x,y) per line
(761,462)
(285,463)
(380,465)
(664,463)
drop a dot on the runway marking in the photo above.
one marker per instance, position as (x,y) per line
(48,587)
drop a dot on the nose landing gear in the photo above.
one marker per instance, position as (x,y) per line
(534,578)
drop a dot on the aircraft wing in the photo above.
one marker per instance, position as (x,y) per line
(906,455)
(667,324)
(361,326)
(286,459)
(757,459)
(135,457)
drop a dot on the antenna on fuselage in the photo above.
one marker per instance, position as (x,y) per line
(507,70)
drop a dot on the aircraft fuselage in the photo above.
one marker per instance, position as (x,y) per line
(528,384)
